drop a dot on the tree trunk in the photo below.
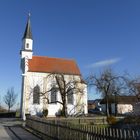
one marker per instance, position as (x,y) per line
(107,107)
(116,105)
(64,109)
(9,109)
(110,108)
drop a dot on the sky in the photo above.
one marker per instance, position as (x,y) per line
(96,33)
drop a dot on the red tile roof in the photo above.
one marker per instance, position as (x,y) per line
(56,65)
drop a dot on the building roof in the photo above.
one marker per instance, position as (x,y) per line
(53,65)
(121,100)
(28,32)
(93,101)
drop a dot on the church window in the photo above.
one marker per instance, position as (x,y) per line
(53,98)
(27,45)
(70,97)
(36,95)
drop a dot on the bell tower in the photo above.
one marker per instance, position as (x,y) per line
(26,53)
(27,47)
(27,41)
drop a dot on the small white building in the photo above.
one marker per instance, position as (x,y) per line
(121,104)
(36,79)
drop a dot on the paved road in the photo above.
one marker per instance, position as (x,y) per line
(19,133)
(11,129)
(3,134)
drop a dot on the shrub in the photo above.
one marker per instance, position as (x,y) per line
(132,119)
(111,120)
(7,115)
(60,113)
(45,112)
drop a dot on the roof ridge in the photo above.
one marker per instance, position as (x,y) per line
(55,58)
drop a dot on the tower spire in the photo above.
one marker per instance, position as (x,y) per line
(27,41)
(28,32)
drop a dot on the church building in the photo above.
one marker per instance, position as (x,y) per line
(48,82)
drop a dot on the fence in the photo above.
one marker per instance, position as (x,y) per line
(62,130)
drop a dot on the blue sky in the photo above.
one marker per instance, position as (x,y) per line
(96,33)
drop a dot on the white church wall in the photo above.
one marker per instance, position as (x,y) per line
(25,54)
(53,109)
(31,81)
(71,109)
(85,98)
(40,79)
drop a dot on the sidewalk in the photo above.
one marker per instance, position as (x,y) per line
(3,134)
(11,129)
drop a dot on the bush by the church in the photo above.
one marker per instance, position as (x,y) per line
(45,112)
(111,120)
(7,114)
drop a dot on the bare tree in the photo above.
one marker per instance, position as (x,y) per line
(109,85)
(133,86)
(10,98)
(66,89)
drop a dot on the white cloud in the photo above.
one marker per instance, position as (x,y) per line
(104,63)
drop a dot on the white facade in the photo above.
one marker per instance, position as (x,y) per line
(124,108)
(31,79)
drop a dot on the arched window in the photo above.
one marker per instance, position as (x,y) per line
(53,98)
(70,98)
(36,95)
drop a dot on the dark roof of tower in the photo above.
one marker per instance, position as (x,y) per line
(28,33)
